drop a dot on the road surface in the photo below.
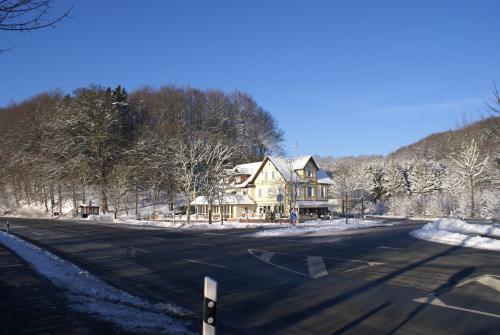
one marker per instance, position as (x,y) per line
(376,281)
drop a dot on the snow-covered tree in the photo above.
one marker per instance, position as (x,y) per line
(469,166)
(189,157)
(215,174)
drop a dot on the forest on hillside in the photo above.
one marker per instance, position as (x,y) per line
(154,143)
(453,173)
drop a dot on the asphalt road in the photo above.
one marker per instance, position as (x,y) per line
(376,281)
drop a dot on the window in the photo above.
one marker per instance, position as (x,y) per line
(272,175)
(266,175)
(323,193)
(309,173)
(260,192)
(298,191)
(310,191)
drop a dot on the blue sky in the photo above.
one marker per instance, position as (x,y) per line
(340,77)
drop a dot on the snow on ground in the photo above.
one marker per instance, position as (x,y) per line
(89,294)
(323,226)
(200,225)
(458,232)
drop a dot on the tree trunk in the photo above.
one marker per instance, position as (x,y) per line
(136,201)
(346,219)
(52,199)
(59,195)
(209,214)
(83,194)
(75,205)
(472,202)
(188,211)
(104,198)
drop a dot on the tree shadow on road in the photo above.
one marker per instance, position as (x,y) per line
(277,324)
(452,282)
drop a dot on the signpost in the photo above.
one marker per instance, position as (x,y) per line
(209,306)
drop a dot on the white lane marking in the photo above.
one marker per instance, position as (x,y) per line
(39,234)
(433,300)
(200,262)
(203,244)
(139,249)
(316,267)
(266,256)
(218,234)
(99,257)
(159,238)
(486,280)
(392,248)
(252,252)
(491,281)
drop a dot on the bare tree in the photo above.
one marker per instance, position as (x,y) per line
(28,15)
(118,186)
(217,167)
(188,157)
(25,15)
(469,167)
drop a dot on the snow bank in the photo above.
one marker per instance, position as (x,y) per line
(200,225)
(458,232)
(310,227)
(89,294)
(459,226)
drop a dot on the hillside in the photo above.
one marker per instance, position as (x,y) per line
(439,145)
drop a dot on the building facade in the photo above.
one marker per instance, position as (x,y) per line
(277,184)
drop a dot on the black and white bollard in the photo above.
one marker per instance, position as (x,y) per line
(209,306)
(7,226)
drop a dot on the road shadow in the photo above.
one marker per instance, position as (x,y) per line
(450,284)
(276,325)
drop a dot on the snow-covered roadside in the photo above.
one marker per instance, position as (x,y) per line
(323,226)
(458,232)
(200,225)
(89,294)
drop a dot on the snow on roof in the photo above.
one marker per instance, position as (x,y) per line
(229,199)
(286,166)
(323,177)
(248,168)
(300,162)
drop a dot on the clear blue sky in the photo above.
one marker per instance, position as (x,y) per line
(341,78)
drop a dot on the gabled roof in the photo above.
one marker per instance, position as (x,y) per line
(287,167)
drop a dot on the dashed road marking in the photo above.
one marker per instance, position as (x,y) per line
(139,249)
(200,262)
(391,248)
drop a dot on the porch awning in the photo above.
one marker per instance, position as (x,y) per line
(311,204)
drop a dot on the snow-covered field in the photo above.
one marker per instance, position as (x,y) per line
(458,232)
(89,294)
(323,226)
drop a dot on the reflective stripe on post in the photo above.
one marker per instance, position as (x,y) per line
(209,306)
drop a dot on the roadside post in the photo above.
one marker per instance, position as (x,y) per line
(209,306)
(7,226)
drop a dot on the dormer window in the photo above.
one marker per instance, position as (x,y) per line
(309,173)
